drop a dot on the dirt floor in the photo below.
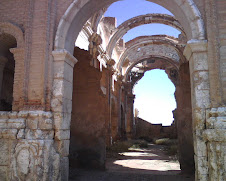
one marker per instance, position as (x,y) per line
(149,164)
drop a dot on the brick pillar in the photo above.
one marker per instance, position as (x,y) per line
(196,53)
(117,116)
(110,72)
(61,106)
(18,92)
(119,97)
(183,116)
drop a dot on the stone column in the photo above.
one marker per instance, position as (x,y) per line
(120,98)
(3,61)
(110,72)
(61,105)
(18,92)
(196,53)
(129,108)
(117,91)
(130,116)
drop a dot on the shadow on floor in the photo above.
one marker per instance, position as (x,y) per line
(150,164)
(87,175)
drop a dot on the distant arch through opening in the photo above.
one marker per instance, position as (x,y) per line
(80,11)
(141,20)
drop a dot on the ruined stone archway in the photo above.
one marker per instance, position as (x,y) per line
(95,20)
(80,11)
(135,45)
(150,47)
(141,20)
(181,80)
(34,128)
(142,59)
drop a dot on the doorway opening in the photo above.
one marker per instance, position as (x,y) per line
(114,51)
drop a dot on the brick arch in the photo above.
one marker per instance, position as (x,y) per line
(142,41)
(80,11)
(15,31)
(142,20)
(18,53)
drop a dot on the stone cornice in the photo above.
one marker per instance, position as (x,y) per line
(17,51)
(62,54)
(195,46)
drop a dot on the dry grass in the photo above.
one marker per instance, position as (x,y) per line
(140,144)
(118,147)
(172,148)
(165,141)
(125,146)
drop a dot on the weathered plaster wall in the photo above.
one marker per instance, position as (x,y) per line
(116,111)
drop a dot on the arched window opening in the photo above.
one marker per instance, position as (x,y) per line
(7,70)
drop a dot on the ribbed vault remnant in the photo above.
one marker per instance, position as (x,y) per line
(160,45)
(165,51)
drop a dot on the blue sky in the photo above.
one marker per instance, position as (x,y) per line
(155,97)
(127,9)
(154,92)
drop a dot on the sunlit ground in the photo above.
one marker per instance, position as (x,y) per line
(151,162)
(148,164)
